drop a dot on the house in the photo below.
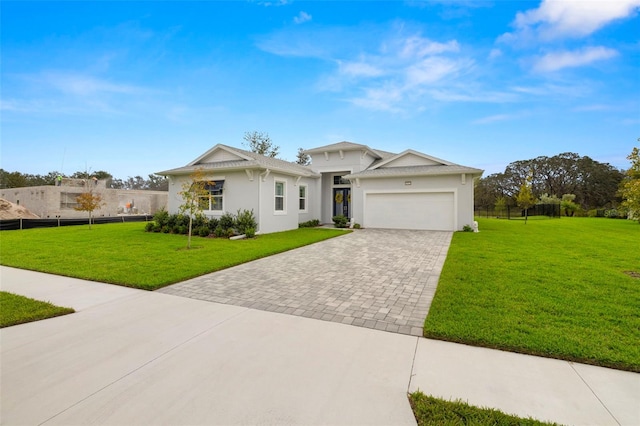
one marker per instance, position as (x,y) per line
(374,188)
(60,200)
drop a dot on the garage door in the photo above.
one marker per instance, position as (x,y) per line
(410,210)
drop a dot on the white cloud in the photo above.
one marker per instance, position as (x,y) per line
(360,69)
(431,70)
(83,85)
(419,47)
(555,61)
(555,19)
(494,118)
(495,53)
(302,18)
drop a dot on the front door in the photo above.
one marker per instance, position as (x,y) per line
(341,201)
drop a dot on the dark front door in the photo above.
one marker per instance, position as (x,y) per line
(341,201)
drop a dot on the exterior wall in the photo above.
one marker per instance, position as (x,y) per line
(313,200)
(58,201)
(463,201)
(258,194)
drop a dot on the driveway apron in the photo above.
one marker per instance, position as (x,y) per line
(379,279)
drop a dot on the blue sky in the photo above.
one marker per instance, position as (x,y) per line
(137,87)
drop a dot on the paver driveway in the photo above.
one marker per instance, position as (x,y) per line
(381,279)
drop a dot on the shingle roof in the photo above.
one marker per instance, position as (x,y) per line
(346,146)
(454,169)
(256,161)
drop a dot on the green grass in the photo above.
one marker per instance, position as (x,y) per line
(557,288)
(124,254)
(434,411)
(16,309)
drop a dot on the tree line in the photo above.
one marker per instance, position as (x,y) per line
(19,180)
(594,184)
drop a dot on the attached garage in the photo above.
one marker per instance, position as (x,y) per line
(434,211)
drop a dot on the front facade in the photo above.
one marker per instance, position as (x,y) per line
(374,188)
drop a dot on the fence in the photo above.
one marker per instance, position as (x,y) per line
(16,224)
(551,210)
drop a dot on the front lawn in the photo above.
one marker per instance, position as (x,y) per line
(15,309)
(123,253)
(562,288)
(435,411)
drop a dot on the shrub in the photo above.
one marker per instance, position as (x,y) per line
(230,232)
(340,221)
(161,217)
(611,213)
(165,229)
(227,221)
(203,231)
(467,228)
(250,232)
(150,227)
(592,213)
(219,232)
(245,220)
(309,224)
(213,224)
(357,226)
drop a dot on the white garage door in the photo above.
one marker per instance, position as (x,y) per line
(410,210)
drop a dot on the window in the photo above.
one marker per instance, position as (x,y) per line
(280,196)
(338,180)
(213,200)
(303,198)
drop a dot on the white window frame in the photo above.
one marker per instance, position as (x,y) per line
(211,197)
(283,196)
(305,198)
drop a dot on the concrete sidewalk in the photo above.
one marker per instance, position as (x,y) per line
(134,357)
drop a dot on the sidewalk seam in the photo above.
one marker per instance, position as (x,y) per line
(154,359)
(413,363)
(594,393)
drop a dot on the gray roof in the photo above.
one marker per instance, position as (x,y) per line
(345,146)
(382,172)
(255,161)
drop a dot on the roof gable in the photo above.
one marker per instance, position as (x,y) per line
(410,158)
(344,146)
(220,153)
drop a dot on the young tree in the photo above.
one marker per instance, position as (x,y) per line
(568,205)
(193,191)
(500,206)
(525,198)
(88,202)
(630,187)
(303,158)
(261,143)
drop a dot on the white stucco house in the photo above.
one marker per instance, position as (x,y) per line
(374,188)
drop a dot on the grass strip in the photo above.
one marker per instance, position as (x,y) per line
(15,309)
(560,288)
(434,411)
(124,254)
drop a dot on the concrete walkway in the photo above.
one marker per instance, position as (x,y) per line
(381,279)
(134,357)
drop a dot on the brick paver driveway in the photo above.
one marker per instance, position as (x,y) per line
(382,279)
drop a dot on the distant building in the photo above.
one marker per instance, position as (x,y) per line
(59,200)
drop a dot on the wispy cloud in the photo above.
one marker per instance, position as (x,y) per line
(495,118)
(302,18)
(555,61)
(555,19)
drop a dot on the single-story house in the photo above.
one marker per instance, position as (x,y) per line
(374,188)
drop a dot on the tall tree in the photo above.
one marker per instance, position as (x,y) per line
(630,187)
(303,158)
(261,143)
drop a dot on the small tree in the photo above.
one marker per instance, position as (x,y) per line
(303,158)
(88,202)
(193,191)
(630,186)
(568,205)
(525,198)
(261,143)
